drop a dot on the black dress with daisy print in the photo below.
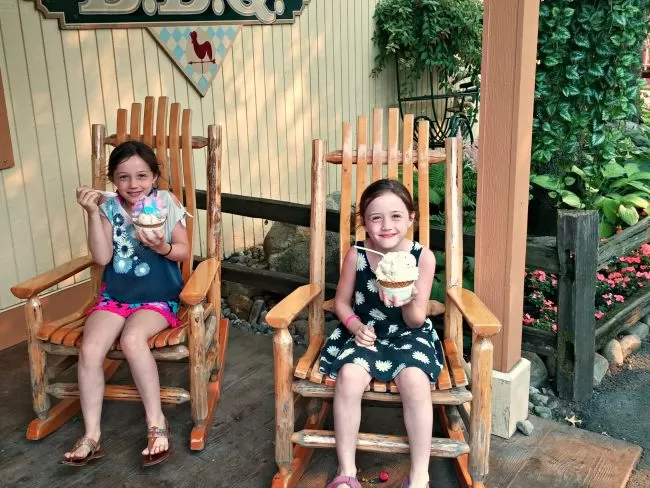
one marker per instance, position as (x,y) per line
(397,345)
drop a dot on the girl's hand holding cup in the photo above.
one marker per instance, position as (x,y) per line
(153,239)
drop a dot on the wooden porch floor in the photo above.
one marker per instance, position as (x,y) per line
(240,449)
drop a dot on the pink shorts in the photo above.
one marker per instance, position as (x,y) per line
(168,309)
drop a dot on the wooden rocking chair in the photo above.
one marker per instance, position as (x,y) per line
(201,338)
(450,394)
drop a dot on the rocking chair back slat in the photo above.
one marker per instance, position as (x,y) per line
(174,174)
(393,130)
(134,132)
(423,183)
(377,143)
(407,158)
(454,236)
(147,126)
(122,120)
(162,142)
(346,191)
(214,214)
(362,171)
(188,184)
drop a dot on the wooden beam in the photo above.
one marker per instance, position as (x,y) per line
(505,135)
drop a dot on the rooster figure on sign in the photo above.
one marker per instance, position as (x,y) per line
(202,50)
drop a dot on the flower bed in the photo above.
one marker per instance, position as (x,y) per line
(617,282)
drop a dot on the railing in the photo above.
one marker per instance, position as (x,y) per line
(574,256)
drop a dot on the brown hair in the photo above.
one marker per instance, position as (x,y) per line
(380,187)
(132,148)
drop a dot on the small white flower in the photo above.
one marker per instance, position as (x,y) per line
(124,247)
(399,368)
(370,323)
(333,350)
(359,298)
(406,347)
(363,363)
(420,356)
(377,314)
(383,366)
(346,353)
(423,341)
(417,246)
(405,333)
(141,269)
(383,342)
(392,328)
(372,285)
(336,334)
(361,262)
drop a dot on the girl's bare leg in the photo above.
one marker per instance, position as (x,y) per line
(100,331)
(415,390)
(351,382)
(139,327)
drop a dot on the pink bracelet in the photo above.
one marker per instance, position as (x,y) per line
(347,321)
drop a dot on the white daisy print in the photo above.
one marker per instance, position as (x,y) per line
(405,333)
(423,341)
(142,269)
(420,356)
(392,328)
(383,366)
(361,262)
(406,347)
(122,266)
(417,246)
(371,348)
(124,247)
(346,353)
(372,285)
(333,350)
(336,334)
(370,323)
(399,368)
(359,298)
(362,362)
(383,342)
(377,314)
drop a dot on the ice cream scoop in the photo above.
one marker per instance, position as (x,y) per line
(396,273)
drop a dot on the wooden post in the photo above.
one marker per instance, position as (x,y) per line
(37,358)
(577,247)
(198,380)
(505,139)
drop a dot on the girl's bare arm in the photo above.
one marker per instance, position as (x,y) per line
(415,312)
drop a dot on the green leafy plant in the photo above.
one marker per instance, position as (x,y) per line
(438,287)
(442,36)
(586,81)
(619,192)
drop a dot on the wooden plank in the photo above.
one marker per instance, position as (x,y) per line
(576,325)
(162,143)
(618,319)
(407,161)
(541,342)
(625,241)
(346,192)
(125,76)
(380,157)
(134,131)
(189,195)
(362,171)
(377,143)
(393,134)
(453,359)
(149,116)
(174,180)
(444,381)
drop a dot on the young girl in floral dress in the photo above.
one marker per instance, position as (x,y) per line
(383,338)
(141,287)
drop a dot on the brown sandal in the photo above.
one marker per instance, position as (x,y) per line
(95,452)
(154,433)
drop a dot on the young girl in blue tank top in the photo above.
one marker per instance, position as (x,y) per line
(139,298)
(383,337)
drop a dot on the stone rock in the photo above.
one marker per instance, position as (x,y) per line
(525,427)
(532,390)
(629,344)
(256,311)
(540,399)
(300,327)
(543,412)
(553,403)
(531,405)
(551,366)
(538,372)
(601,365)
(639,329)
(614,353)
(240,305)
(233,288)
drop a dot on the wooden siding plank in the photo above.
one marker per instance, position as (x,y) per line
(109,90)
(138,65)
(123,69)
(152,80)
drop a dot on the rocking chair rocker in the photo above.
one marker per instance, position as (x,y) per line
(201,338)
(450,394)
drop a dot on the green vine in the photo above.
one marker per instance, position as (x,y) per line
(442,36)
(589,60)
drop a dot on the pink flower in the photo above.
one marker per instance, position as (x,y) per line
(619,298)
(528,319)
(554,327)
(599,315)
(600,277)
(645,249)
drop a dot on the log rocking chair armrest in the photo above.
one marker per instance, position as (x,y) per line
(280,316)
(34,286)
(197,287)
(482,321)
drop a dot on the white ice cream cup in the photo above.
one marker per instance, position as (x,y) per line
(402,290)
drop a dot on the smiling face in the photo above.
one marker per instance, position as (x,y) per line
(134,179)
(387,220)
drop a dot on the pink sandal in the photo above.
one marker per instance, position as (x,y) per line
(344,480)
